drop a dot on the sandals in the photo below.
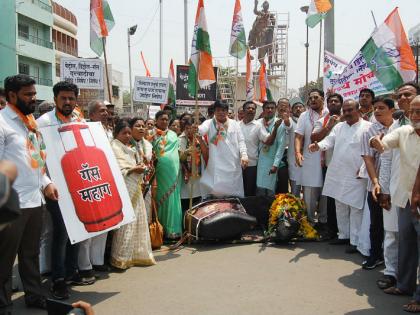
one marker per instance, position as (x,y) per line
(412,307)
(386,282)
(395,291)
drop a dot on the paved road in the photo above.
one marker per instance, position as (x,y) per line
(305,278)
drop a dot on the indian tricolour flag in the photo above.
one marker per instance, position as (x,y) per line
(201,65)
(237,36)
(171,79)
(265,93)
(250,95)
(101,22)
(388,53)
(317,11)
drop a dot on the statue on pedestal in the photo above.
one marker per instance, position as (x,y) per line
(261,34)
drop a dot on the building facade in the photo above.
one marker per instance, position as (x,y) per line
(25,43)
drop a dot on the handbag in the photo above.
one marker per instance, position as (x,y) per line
(155,229)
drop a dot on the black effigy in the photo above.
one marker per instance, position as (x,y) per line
(218,219)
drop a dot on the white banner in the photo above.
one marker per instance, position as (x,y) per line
(153,109)
(355,77)
(151,90)
(93,197)
(333,67)
(85,73)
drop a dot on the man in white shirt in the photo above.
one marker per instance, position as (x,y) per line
(290,123)
(311,172)
(322,129)
(341,181)
(92,250)
(21,143)
(227,155)
(254,133)
(64,264)
(407,139)
(97,111)
(399,262)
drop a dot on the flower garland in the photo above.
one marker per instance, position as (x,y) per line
(295,207)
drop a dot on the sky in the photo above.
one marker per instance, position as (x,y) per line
(353,26)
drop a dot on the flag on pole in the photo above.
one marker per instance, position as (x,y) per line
(171,92)
(250,95)
(145,65)
(317,11)
(201,65)
(383,63)
(101,23)
(265,93)
(237,35)
(389,54)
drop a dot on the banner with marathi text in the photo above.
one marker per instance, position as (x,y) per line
(93,197)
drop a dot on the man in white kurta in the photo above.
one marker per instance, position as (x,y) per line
(254,133)
(290,123)
(227,155)
(311,171)
(341,181)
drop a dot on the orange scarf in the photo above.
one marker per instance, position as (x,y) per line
(34,143)
(76,115)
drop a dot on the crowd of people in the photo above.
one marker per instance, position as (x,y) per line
(354,163)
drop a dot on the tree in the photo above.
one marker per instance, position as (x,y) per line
(304,90)
(126,97)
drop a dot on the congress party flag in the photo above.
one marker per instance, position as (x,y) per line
(250,95)
(101,23)
(145,65)
(171,78)
(384,62)
(201,64)
(317,11)
(265,93)
(237,35)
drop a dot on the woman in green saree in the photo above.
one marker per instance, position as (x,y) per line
(168,202)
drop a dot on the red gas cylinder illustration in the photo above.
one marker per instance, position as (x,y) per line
(89,179)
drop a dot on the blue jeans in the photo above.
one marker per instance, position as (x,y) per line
(64,257)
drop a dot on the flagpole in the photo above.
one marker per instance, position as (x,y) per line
(235,99)
(319,51)
(106,71)
(160,39)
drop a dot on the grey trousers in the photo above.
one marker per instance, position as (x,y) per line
(21,238)
(295,188)
(311,196)
(408,252)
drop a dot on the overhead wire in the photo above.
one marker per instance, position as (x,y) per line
(147,28)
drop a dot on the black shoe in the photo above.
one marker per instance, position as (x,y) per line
(386,282)
(102,268)
(372,263)
(351,249)
(340,241)
(59,290)
(83,277)
(36,302)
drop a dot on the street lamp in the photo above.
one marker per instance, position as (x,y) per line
(305,9)
(131,31)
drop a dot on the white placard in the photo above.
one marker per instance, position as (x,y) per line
(85,73)
(151,90)
(97,169)
(153,109)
